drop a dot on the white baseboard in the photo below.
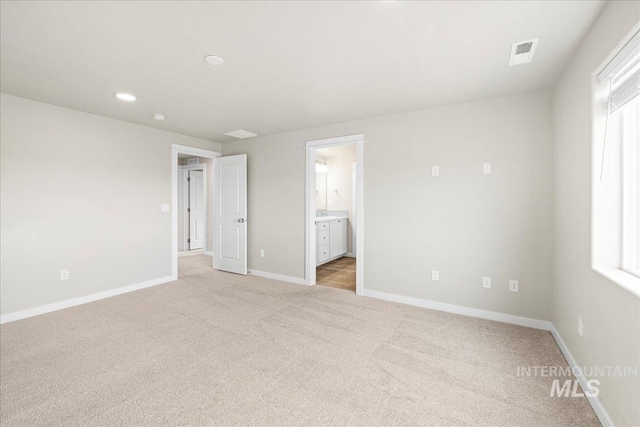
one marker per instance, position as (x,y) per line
(350,255)
(11,317)
(210,253)
(601,413)
(274,276)
(458,309)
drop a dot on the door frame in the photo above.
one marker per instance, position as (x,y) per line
(310,205)
(183,202)
(192,151)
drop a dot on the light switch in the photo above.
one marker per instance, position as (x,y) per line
(164,207)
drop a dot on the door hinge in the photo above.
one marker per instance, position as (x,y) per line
(188,240)
(188,209)
(188,179)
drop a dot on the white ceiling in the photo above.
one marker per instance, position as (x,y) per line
(288,65)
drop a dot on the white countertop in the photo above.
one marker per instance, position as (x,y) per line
(329,218)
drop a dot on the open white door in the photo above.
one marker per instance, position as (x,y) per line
(231,214)
(196,210)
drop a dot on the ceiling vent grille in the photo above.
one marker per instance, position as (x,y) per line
(523,48)
(522,53)
(241,134)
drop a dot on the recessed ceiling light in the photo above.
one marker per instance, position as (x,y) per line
(241,134)
(213,60)
(158,117)
(124,96)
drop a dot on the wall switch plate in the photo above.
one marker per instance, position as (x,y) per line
(486,168)
(435,170)
(580,326)
(486,282)
(164,207)
(262,253)
(64,274)
(513,285)
(435,275)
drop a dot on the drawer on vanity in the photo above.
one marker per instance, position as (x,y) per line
(323,236)
(323,253)
(322,225)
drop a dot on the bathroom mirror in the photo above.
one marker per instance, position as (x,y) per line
(321,183)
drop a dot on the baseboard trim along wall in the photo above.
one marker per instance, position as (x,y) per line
(601,413)
(210,253)
(458,309)
(274,276)
(11,317)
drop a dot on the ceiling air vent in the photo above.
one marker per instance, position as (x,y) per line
(241,134)
(522,53)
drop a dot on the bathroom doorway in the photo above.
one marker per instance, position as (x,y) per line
(334,213)
(335,217)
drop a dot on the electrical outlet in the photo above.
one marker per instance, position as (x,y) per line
(486,168)
(435,275)
(580,326)
(64,274)
(262,253)
(513,285)
(486,282)
(435,171)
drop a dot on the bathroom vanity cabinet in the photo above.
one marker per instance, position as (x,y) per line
(331,238)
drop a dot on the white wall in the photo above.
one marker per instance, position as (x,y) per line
(611,315)
(465,224)
(82,192)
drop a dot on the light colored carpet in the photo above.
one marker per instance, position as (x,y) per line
(216,348)
(190,253)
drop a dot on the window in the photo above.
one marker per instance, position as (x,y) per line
(616,181)
(631,187)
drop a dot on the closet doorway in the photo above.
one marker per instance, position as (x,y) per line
(192,205)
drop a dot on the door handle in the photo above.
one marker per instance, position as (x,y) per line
(241,220)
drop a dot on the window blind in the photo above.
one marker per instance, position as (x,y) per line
(623,59)
(625,91)
(623,74)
